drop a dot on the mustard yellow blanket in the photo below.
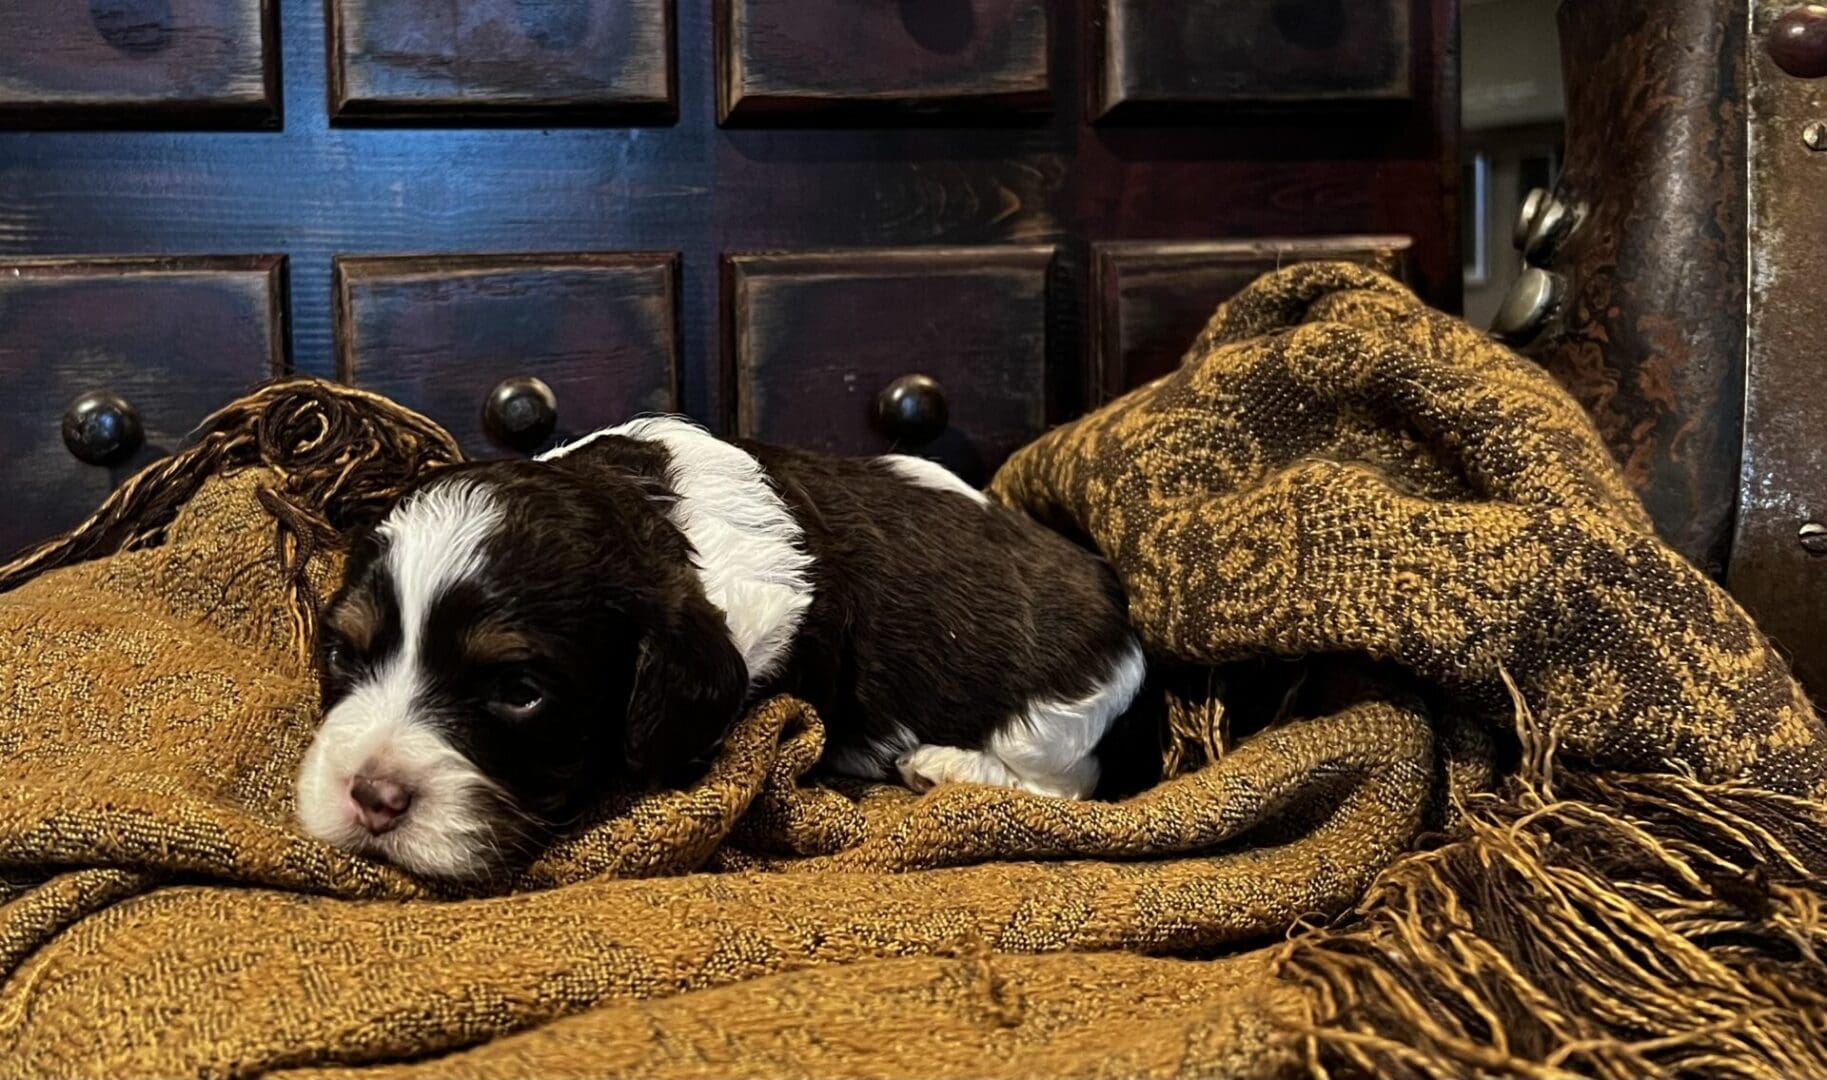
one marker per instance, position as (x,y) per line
(1467,773)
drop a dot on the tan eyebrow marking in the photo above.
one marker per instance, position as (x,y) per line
(357,618)
(490,642)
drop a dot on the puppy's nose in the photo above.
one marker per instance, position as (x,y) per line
(379,803)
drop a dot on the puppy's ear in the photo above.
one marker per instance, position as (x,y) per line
(689,686)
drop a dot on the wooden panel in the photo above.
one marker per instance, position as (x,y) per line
(931,56)
(134,63)
(815,336)
(556,61)
(177,338)
(1160,59)
(1152,299)
(438,332)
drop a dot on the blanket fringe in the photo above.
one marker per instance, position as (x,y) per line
(341,456)
(1196,730)
(1620,926)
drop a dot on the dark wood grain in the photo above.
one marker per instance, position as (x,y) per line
(1150,300)
(319,189)
(138,63)
(438,332)
(1783,482)
(177,338)
(850,60)
(1159,59)
(814,337)
(570,61)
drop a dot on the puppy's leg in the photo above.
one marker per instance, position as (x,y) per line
(1040,763)
(1052,746)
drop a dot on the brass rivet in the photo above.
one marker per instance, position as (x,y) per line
(1813,538)
(1814,136)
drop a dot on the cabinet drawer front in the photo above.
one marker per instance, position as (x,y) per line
(1194,56)
(166,340)
(580,60)
(1150,300)
(122,63)
(788,57)
(817,338)
(440,334)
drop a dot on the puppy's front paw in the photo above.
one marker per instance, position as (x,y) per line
(907,765)
(927,766)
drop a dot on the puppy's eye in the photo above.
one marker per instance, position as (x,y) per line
(339,657)
(517,697)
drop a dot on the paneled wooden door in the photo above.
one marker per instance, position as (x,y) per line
(931,225)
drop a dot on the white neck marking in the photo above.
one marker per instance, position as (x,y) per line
(750,551)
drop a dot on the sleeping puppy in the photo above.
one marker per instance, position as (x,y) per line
(516,638)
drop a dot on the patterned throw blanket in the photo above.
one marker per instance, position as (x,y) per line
(1462,772)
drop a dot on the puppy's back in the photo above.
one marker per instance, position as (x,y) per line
(939,613)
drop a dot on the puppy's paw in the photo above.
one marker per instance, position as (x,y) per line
(910,772)
(925,767)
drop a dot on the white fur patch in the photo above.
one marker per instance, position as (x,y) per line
(751,556)
(380,728)
(1050,749)
(931,474)
(433,541)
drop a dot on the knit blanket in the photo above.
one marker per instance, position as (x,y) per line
(1456,770)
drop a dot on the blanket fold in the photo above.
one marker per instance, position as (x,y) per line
(1462,771)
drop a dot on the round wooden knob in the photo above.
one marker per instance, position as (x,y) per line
(911,410)
(102,428)
(1797,41)
(521,413)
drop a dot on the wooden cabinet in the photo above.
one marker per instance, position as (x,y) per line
(157,344)
(926,225)
(440,333)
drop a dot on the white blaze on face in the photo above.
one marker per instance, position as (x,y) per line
(381,728)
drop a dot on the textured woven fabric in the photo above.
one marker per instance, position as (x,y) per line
(1335,474)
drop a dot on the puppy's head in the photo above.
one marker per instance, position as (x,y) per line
(512,639)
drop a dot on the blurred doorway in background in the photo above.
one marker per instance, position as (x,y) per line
(1512,113)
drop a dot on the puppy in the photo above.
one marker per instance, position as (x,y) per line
(515,638)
